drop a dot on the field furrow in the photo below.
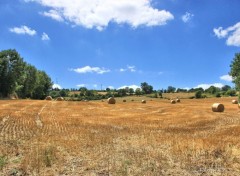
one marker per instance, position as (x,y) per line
(95,138)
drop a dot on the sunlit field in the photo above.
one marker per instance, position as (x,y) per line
(128,138)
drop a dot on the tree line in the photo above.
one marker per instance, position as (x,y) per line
(20,78)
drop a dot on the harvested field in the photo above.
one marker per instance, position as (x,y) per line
(127,138)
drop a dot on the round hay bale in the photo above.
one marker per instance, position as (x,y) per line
(173,101)
(111,100)
(234,102)
(48,98)
(144,101)
(178,100)
(59,99)
(124,100)
(217,107)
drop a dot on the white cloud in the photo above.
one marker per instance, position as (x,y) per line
(122,70)
(187,17)
(232,34)
(110,87)
(56,86)
(131,86)
(226,78)
(82,85)
(206,86)
(23,30)
(129,68)
(53,14)
(99,13)
(88,69)
(45,36)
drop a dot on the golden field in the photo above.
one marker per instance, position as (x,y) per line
(95,138)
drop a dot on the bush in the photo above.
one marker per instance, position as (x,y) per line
(198,94)
(231,92)
(218,95)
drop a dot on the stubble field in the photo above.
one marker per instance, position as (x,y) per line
(95,138)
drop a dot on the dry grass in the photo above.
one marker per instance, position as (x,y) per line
(95,138)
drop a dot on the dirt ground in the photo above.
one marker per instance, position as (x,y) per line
(128,138)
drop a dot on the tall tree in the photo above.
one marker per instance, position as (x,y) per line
(43,85)
(146,88)
(235,70)
(11,70)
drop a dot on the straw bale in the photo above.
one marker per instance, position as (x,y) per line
(217,107)
(111,100)
(48,98)
(234,102)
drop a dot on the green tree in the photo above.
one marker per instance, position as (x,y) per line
(146,88)
(27,84)
(171,89)
(11,70)
(212,90)
(138,91)
(122,92)
(43,85)
(131,91)
(235,70)
(198,94)
(226,88)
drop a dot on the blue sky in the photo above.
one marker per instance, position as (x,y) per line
(115,43)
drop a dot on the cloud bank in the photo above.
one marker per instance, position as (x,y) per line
(99,13)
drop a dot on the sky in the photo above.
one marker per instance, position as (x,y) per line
(116,43)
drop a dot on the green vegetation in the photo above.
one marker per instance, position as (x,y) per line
(235,70)
(25,81)
(20,78)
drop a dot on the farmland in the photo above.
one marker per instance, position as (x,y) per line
(95,138)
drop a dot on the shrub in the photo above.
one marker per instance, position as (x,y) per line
(218,95)
(198,94)
(231,92)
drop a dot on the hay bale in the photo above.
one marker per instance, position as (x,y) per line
(234,102)
(217,107)
(124,100)
(173,101)
(59,99)
(178,100)
(144,101)
(48,98)
(111,100)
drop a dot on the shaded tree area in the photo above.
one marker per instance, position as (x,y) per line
(235,70)
(21,78)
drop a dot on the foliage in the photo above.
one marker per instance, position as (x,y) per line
(218,94)
(171,89)
(16,76)
(198,94)
(146,88)
(138,91)
(231,92)
(212,90)
(11,69)
(226,88)
(235,70)
(3,162)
